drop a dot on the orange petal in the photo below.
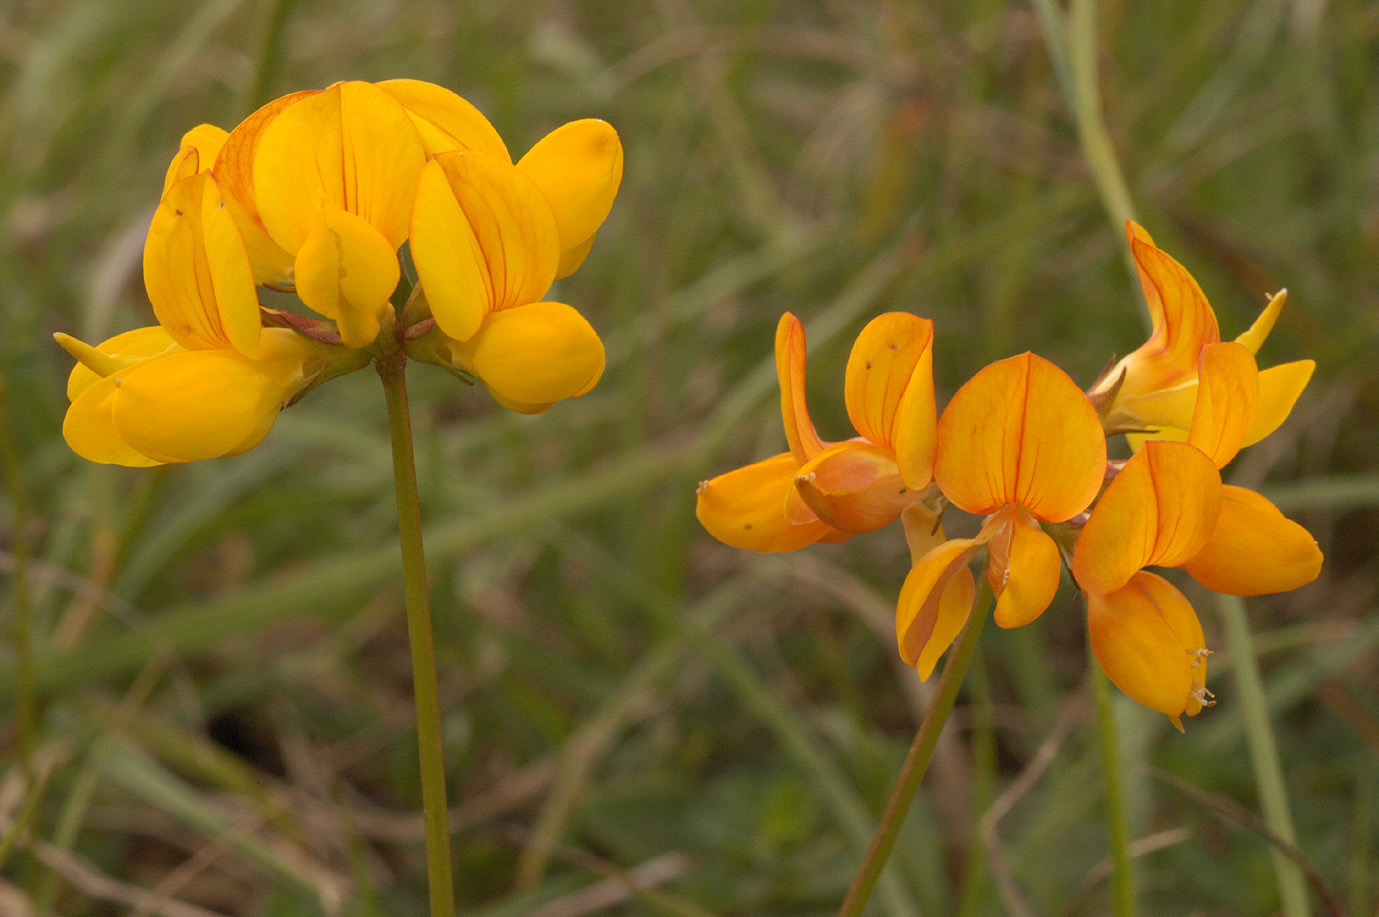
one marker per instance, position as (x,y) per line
(1254,549)
(790,362)
(889,390)
(1021,431)
(1148,640)
(1279,389)
(444,120)
(512,223)
(1032,571)
(578,167)
(918,611)
(1160,509)
(1227,390)
(954,608)
(743,508)
(854,486)
(1183,322)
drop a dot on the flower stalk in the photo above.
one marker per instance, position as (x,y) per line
(1117,823)
(917,760)
(392,370)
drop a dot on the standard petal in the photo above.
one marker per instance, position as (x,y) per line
(347,270)
(89,426)
(198,404)
(1021,431)
(513,224)
(1279,389)
(534,355)
(352,146)
(1227,391)
(234,173)
(578,167)
(743,508)
(954,608)
(1183,322)
(889,390)
(790,371)
(445,120)
(1142,636)
(918,611)
(1160,509)
(1033,569)
(177,274)
(1254,549)
(854,486)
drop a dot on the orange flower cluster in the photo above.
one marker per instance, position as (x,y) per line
(1021,445)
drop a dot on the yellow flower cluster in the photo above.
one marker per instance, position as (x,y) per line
(316,193)
(1021,445)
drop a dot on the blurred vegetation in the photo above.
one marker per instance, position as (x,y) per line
(640,720)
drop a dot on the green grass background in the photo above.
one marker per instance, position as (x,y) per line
(638,719)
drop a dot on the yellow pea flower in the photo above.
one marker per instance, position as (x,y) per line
(329,177)
(1167,507)
(821,491)
(208,380)
(1020,444)
(488,239)
(1153,389)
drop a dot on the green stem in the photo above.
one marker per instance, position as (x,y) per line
(917,761)
(1117,824)
(1273,799)
(393,371)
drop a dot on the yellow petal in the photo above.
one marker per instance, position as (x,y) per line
(1183,323)
(1020,431)
(89,426)
(534,355)
(578,167)
(1147,639)
(199,404)
(1227,390)
(1279,389)
(918,611)
(197,271)
(1254,338)
(571,258)
(512,223)
(352,146)
(347,271)
(854,486)
(954,608)
(1033,569)
(444,120)
(743,508)
(196,153)
(1160,509)
(1254,549)
(448,259)
(889,390)
(790,371)
(113,355)
(234,173)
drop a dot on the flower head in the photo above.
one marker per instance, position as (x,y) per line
(831,491)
